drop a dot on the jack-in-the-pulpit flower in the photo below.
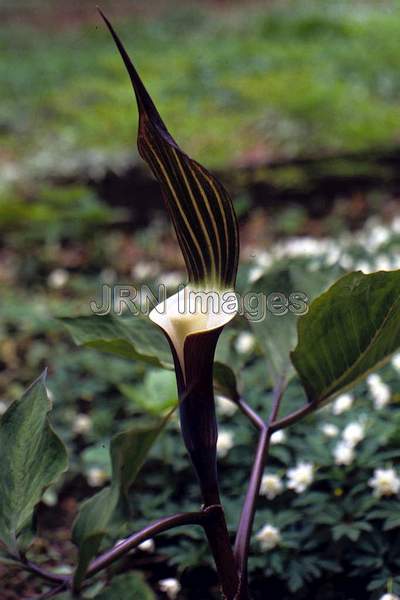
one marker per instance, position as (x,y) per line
(205,224)
(385,482)
(268,537)
(300,477)
(271,486)
(193,318)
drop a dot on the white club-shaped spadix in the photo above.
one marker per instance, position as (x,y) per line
(192,311)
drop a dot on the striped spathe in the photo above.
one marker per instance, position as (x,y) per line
(199,206)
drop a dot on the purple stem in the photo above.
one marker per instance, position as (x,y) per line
(293,417)
(33,568)
(250,413)
(242,542)
(163,524)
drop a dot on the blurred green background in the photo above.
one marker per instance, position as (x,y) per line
(296,106)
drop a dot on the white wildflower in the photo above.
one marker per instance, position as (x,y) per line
(170,586)
(330,430)
(343,453)
(346,262)
(300,477)
(332,256)
(147,546)
(278,437)
(82,424)
(353,433)
(379,390)
(244,342)
(396,225)
(385,482)
(271,486)
(96,477)
(396,361)
(364,267)
(255,273)
(389,597)
(264,259)
(303,246)
(58,278)
(269,537)
(382,263)
(3,407)
(225,406)
(378,235)
(342,403)
(144,270)
(224,443)
(50,497)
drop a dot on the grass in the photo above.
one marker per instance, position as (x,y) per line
(298,79)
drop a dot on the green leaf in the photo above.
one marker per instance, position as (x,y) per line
(128,451)
(200,207)
(33,457)
(289,289)
(128,585)
(351,329)
(158,393)
(225,381)
(132,337)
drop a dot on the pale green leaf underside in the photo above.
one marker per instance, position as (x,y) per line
(350,330)
(33,457)
(132,337)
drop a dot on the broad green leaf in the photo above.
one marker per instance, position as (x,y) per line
(199,206)
(157,395)
(127,585)
(132,337)
(288,289)
(128,451)
(225,381)
(33,457)
(351,329)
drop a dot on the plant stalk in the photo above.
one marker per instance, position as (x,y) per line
(200,434)
(36,570)
(242,542)
(293,417)
(163,524)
